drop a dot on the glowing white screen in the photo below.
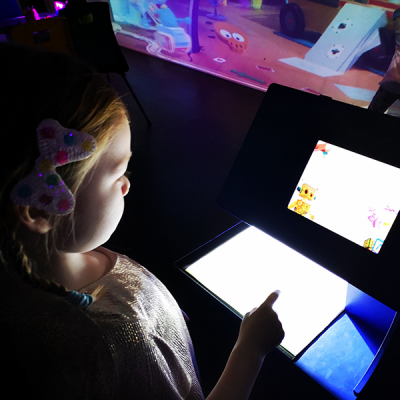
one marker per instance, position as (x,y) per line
(247,268)
(352,195)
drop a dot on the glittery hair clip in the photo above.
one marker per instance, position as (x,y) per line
(43,188)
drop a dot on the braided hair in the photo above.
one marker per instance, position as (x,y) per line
(36,85)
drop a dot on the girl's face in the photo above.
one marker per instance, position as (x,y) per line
(100,200)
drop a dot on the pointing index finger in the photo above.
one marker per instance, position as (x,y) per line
(272,298)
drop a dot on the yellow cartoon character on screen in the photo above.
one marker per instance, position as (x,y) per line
(301,206)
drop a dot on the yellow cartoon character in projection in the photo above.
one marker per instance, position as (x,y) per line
(301,206)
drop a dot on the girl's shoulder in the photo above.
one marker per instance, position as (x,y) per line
(104,266)
(133,296)
(124,271)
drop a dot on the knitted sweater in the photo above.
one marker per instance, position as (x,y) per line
(133,343)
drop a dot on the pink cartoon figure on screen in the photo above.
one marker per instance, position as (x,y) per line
(302,206)
(382,217)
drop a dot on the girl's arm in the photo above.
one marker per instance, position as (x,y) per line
(259,333)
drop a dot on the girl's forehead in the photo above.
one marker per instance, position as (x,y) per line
(114,156)
(119,146)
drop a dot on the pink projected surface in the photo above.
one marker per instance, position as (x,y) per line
(341,51)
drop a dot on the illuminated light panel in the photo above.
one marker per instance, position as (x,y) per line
(244,270)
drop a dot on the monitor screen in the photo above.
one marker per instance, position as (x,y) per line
(350,194)
(245,269)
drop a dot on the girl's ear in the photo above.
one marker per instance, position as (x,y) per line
(35,220)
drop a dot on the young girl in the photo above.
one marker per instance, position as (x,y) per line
(78,321)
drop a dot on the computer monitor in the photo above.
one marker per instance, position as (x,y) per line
(352,195)
(322,177)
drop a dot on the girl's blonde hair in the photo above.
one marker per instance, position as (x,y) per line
(34,86)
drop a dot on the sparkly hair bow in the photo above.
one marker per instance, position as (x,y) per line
(43,188)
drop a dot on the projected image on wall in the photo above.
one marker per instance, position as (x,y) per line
(352,195)
(339,49)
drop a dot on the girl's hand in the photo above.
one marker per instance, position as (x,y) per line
(261,329)
(259,333)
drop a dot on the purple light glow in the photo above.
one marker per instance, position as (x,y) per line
(60,5)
